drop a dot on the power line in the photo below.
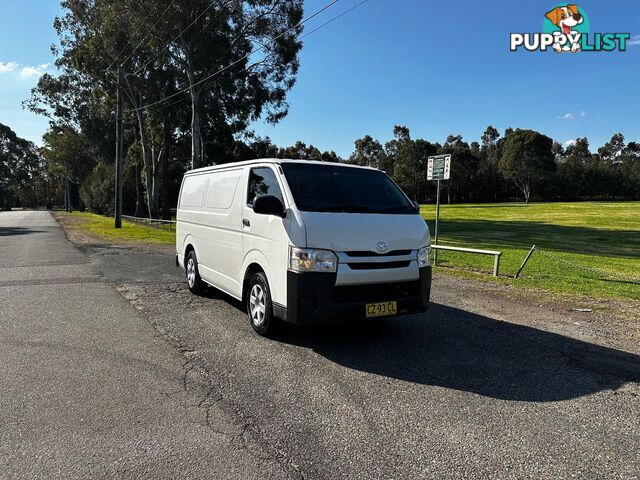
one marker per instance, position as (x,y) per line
(333,19)
(174,38)
(138,46)
(149,33)
(186,89)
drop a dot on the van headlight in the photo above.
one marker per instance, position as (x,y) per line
(423,256)
(311,260)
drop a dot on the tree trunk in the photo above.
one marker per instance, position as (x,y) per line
(164,191)
(152,184)
(149,168)
(141,208)
(164,173)
(196,135)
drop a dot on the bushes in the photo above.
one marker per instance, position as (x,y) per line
(98,190)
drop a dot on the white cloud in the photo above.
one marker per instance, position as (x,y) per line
(572,116)
(7,67)
(569,142)
(27,72)
(635,40)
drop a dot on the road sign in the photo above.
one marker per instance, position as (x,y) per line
(439,167)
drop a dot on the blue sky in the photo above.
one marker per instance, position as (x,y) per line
(438,67)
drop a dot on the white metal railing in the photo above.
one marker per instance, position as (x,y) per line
(152,222)
(495,254)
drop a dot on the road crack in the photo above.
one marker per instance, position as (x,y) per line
(246,435)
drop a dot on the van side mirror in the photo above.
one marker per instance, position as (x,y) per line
(416,205)
(268,205)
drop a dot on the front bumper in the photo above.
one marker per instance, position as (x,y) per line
(315,297)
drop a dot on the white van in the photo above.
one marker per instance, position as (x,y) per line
(305,242)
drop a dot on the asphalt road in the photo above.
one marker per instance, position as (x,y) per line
(155,380)
(88,387)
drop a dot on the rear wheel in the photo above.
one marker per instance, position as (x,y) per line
(259,306)
(195,283)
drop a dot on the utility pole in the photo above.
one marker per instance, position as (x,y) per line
(435,253)
(119,144)
(67,190)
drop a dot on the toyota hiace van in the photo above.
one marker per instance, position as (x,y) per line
(303,241)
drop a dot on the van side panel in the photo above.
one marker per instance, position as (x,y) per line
(214,227)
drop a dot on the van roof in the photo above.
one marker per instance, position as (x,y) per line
(275,161)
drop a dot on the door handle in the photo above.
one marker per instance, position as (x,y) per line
(246,222)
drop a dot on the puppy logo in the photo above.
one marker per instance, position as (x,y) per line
(566,19)
(566,28)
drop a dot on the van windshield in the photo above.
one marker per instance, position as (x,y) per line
(331,188)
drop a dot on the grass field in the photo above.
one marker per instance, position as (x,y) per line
(590,249)
(102,226)
(577,242)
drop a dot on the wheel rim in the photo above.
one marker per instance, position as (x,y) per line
(257,305)
(191,272)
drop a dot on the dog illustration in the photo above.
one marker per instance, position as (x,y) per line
(565,18)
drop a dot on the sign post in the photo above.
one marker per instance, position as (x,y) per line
(438,168)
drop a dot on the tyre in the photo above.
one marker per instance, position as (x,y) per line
(196,285)
(259,306)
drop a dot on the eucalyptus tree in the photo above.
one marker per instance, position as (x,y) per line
(368,152)
(527,160)
(238,59)
(95,37)
(22,177)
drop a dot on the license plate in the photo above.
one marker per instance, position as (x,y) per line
(383,309)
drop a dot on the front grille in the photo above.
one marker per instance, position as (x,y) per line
(378,266)
(376,292)
(395,253)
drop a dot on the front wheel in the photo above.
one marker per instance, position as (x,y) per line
(196,285)
(259,306)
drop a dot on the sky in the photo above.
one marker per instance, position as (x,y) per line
(439,68)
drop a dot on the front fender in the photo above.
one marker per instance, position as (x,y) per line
(258,258)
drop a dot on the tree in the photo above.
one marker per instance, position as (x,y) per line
(72,155)
(23,179)
(410,170)
(223,79)
(527,160)
(300,151)
(331,156)
(578,151)
(368,152)
(98,189)
(490,184)
(401,135)
(192,49)
(613,149)
(463,182)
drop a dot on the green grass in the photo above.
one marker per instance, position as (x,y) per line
(102,226)
(575,238)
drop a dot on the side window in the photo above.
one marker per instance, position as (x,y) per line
(192,191)
(222,189)
(262,181)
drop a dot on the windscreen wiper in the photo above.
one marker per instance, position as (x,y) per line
(340,209)
(397,209)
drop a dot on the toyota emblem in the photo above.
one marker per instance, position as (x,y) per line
(382,247)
